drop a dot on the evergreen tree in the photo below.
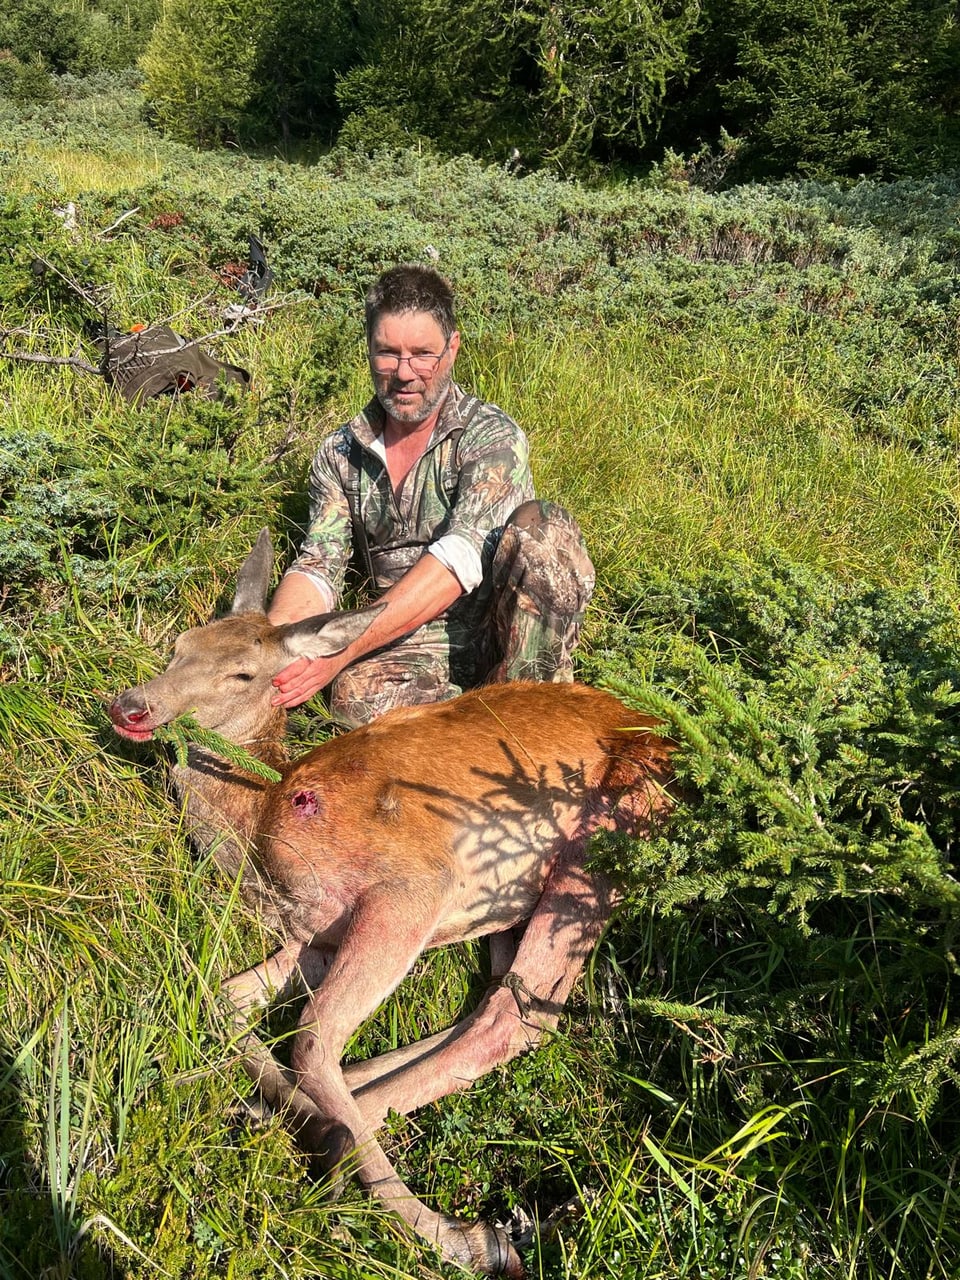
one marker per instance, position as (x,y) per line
(824,90)
(302,47)
(40,33)
(607,71)
(563,79)
(461,77)
(199,67)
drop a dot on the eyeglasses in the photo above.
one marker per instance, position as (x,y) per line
(423,364)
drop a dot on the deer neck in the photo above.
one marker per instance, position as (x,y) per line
(223,801)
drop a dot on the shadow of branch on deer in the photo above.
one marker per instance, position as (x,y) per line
(431,825)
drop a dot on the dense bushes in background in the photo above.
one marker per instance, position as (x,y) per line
(855,88)
(553,80)
(825,90)
(39,41)
(847,89)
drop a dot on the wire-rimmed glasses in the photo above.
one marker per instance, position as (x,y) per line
(422,363)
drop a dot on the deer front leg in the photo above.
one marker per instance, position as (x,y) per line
(292,971)
(363,974)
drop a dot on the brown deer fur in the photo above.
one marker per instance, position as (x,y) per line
(431,825)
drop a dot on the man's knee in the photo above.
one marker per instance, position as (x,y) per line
(543,547)
(546,521)
(542,580)
(534,517)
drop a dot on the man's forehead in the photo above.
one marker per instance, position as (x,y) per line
(406,326)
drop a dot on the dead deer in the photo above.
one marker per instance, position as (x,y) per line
(430,825)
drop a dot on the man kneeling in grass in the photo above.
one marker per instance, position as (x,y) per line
(429,491)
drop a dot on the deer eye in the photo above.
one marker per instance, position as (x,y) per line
(243,676)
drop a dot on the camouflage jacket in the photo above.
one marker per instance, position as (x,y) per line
(473,474)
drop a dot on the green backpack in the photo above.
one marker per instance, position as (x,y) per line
(156,361)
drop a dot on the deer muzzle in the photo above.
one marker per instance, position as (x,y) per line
(132,717)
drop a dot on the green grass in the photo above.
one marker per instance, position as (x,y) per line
(731,1096)
(685,449)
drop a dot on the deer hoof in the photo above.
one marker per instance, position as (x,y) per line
(519,1228)
(481,1247)
(251,1113)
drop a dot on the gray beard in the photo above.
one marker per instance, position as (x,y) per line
(431,400)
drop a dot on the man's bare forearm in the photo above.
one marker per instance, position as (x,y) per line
(296,597)
(422,594)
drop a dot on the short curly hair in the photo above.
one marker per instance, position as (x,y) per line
(411,287)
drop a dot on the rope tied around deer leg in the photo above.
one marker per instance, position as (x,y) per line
(520,991)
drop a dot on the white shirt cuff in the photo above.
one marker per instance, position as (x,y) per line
(456,554)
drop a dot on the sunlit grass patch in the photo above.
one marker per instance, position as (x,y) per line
(70,170)
(683,449)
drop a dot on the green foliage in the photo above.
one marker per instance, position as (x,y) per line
(607,73)
(199,68)
(21,228)
(485,77)
(30,82)
(235,69)
(113,34)
(818,827)
(301,48)
(566,81)
(64,512)
(186,730)
(845,89)
(858,87)
(819,724)
(461,77)
(37,39)
(45,497)
(34,30)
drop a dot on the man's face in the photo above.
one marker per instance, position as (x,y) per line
(411,364)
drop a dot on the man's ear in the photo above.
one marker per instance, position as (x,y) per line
(327,633)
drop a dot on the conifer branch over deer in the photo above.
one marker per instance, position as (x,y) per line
(431,825)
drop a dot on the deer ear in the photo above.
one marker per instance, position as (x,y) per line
(327,633)
(254,577)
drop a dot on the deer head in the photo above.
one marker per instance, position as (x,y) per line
(222,672)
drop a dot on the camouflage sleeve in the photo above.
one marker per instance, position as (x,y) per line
(325,550)
(494,478)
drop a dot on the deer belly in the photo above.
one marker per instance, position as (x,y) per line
(501,869)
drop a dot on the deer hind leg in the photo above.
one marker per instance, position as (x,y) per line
(503,949)
(512,1016)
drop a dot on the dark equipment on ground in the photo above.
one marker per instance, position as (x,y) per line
(156,361)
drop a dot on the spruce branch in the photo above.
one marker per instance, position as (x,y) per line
(185,732)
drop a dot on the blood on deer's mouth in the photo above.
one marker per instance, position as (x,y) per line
(130,724)
(134,735)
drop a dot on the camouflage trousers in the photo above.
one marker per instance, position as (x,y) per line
(529,612)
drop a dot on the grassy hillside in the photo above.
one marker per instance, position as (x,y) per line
(749,400)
